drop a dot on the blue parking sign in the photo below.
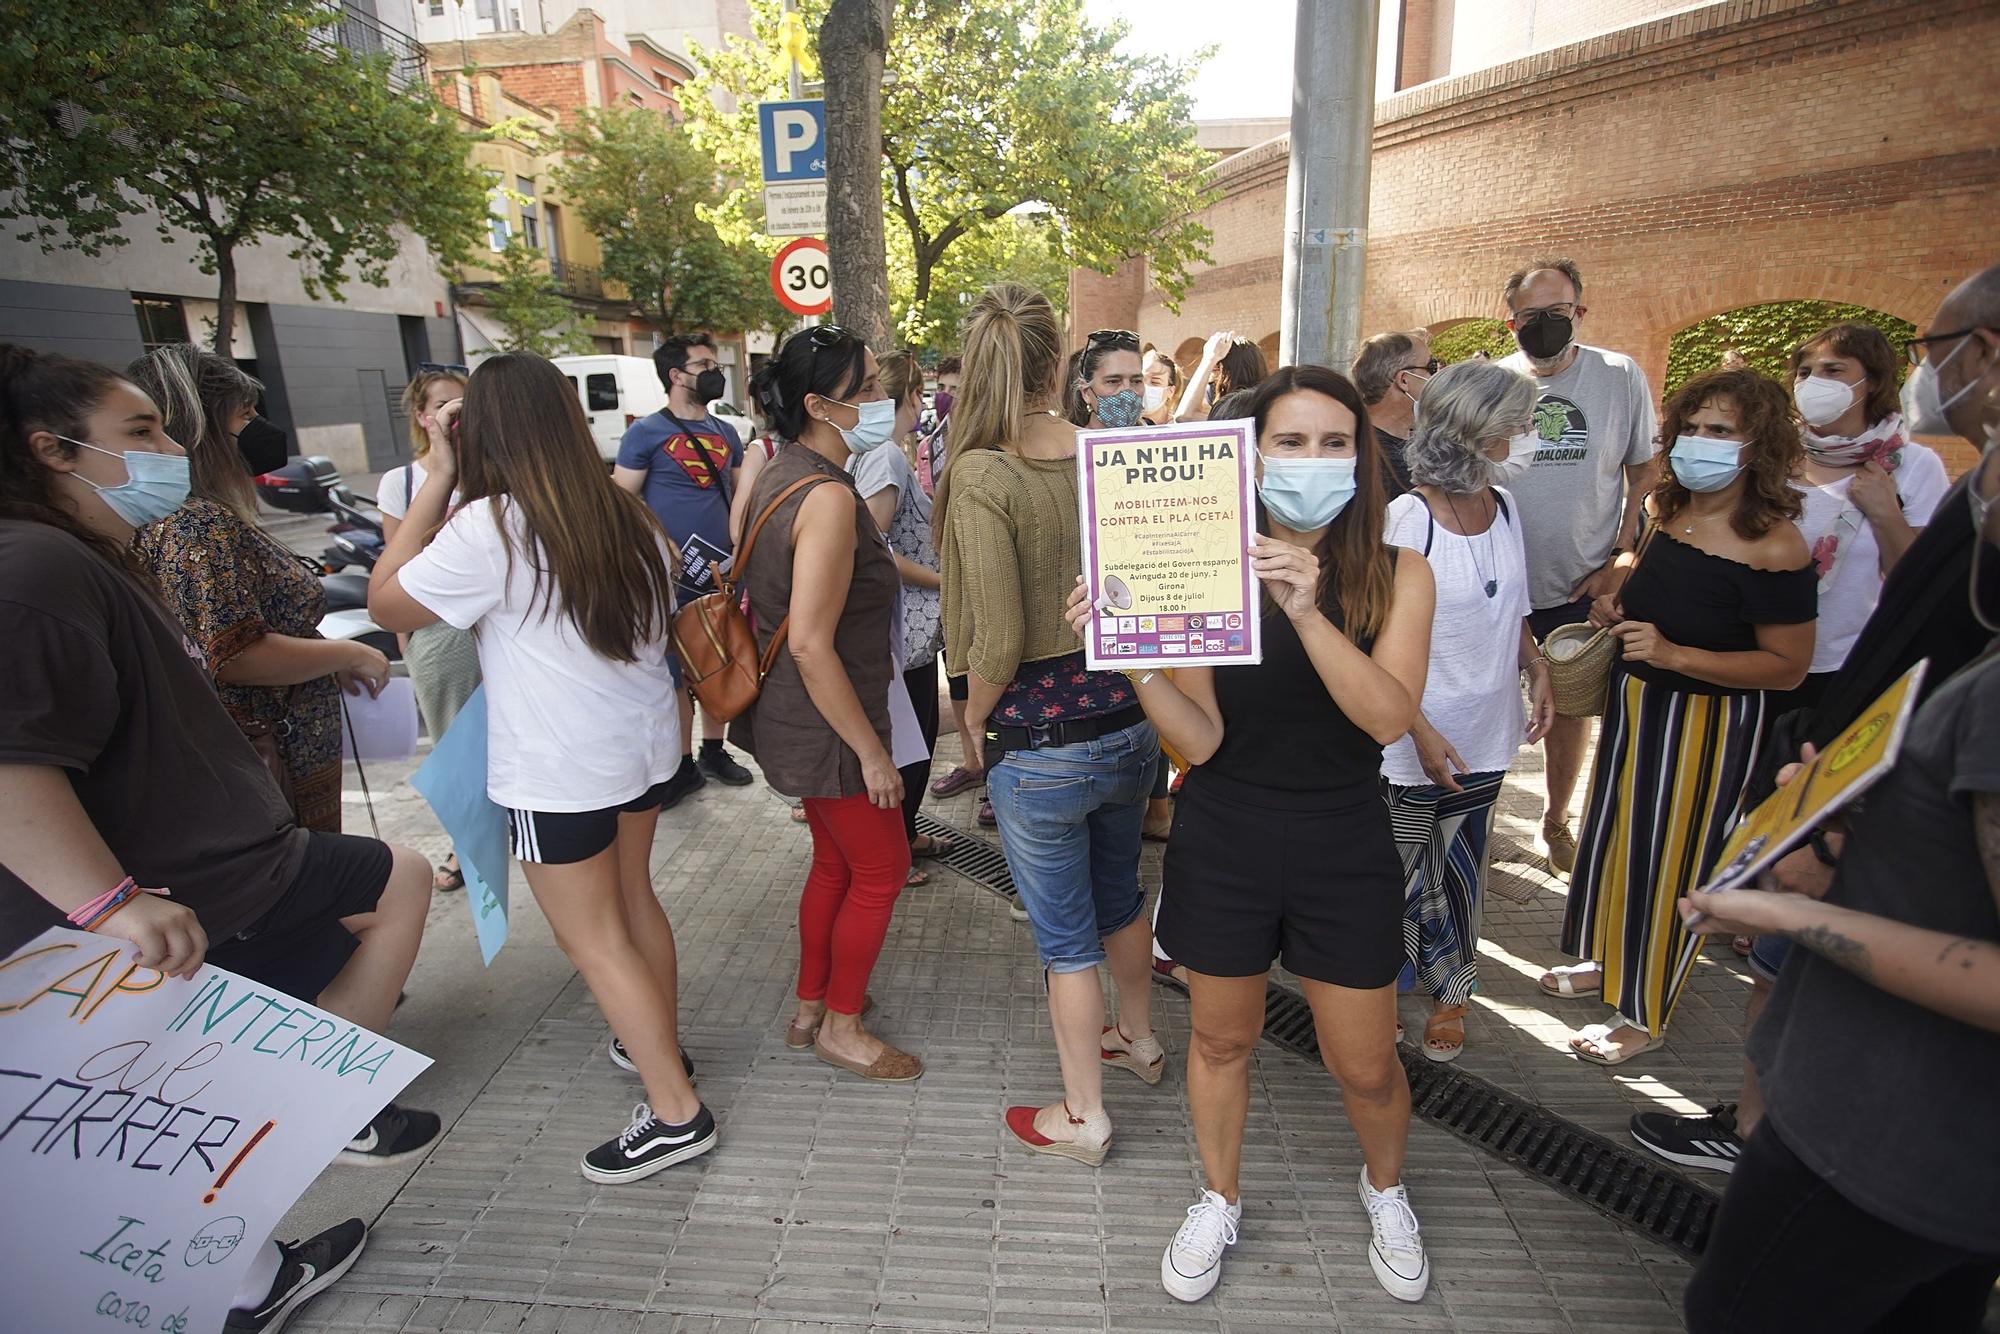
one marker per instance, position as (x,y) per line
(793,135)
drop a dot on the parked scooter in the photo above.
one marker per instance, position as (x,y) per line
(311,484)
(347,614)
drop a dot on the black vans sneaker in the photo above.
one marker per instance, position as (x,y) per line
(647,1146)
(308,1268)
(1708,1141)
(624,1062)
(396,1135)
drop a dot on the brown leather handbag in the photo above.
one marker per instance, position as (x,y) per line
(713,638)
(263,738)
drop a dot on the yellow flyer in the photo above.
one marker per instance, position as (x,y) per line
(1848,766)
(1168,515)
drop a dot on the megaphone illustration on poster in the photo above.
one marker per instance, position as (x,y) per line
(1116,595)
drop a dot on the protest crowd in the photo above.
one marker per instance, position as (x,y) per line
(1449,559)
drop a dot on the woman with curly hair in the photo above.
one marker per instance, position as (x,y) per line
(1718,611)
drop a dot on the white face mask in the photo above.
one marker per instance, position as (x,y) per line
(1822,399)
(1923,411)
(1156,397)
(1520,455)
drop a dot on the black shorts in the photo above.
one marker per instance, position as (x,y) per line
(1254,874)
(1550,618)
(558,838)
(299,946)
(959,686)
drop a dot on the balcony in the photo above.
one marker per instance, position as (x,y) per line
(360,31)
(577,280)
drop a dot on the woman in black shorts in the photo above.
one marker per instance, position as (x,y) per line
(1281,843)
(566,578)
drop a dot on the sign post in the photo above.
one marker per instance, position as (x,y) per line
(792,136)
(801,278)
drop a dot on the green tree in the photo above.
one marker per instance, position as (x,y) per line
(989,108)
(1024,248)
(536,317)
(640,186)
(232,121)
(1469,336)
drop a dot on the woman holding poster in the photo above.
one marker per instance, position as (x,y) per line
(1281,843)
(1071,753)
(1445,774)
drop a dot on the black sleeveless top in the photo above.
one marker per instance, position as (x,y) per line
(1703,601)
(1281,729)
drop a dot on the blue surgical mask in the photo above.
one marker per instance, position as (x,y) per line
(155,485)
(1701,464)
(1306,494)
(875,428)
(1121,409)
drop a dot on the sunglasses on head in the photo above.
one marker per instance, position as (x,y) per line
(1111,338)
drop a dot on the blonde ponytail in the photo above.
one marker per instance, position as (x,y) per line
(1013,350)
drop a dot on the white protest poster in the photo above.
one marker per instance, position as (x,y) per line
(153,1131)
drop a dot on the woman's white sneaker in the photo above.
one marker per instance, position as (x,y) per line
(1193,1262)
(1397,1252)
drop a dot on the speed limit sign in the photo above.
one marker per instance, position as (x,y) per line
(800,277)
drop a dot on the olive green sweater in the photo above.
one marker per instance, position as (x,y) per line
(1011,552)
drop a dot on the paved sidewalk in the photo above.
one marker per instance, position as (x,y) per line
(834,1205)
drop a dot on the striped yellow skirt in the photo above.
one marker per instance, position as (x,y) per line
(1664,790)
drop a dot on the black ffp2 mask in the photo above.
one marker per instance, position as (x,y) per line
(1543,337)
(710,385)
(264,447)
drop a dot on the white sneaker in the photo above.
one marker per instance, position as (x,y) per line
(1397,1254)
(1193,1262)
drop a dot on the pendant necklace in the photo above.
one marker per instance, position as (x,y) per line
(1492,583)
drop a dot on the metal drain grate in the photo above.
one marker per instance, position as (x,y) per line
(974,858)
(1617,1182)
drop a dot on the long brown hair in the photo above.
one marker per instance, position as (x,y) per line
(41,391)
(1357,571)
(197,391)
(593,546)
(1013,348)
(1772,449)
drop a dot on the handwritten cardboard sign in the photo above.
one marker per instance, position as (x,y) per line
(153,1131)
(1168,515)
(453,781)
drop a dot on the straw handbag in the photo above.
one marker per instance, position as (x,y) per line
(1580,658)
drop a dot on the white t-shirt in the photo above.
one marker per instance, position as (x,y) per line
(1849,597)
(567,730)
(1595,420)
(1472,691)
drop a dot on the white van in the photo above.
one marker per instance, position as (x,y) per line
(617,391)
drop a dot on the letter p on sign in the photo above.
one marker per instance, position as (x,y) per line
(793,137)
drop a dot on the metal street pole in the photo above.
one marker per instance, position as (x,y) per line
(792,7)
(1326,190)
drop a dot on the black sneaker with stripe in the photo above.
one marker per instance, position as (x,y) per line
(1707,1141)
(395,1136)
(647,1146)
(307,1269)
(623,1061)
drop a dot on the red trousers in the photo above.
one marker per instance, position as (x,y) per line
(860,860)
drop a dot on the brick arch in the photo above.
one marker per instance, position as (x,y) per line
(1268,345)
(1188,355)
(1678,306)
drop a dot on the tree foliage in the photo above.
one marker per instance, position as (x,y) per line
(1022,247)
(1460,341)
(525,302)
(641,187)
(1765,335)
(233,121)
(990,108)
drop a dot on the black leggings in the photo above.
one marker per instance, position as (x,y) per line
(1789,1252)
(921,682)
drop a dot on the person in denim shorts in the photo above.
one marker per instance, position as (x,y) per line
(1069,751)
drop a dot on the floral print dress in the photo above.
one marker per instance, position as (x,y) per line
(231,584)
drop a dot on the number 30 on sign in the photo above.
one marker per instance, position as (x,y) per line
(800,277)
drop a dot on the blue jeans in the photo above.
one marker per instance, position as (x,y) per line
(1069,820)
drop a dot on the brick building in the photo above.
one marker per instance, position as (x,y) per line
(1693,163)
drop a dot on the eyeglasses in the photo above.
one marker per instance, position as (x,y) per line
(1568,310)
(1431,367)
(1111,338)
(1916,348)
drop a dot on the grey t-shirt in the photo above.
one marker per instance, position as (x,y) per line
(1595,419)
(909,537)
(1890,1103)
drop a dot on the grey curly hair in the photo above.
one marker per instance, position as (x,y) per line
(1464,406)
